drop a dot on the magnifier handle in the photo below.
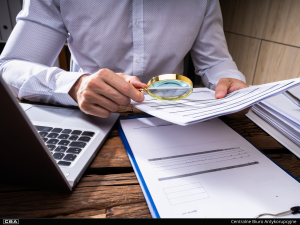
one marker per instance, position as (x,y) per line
(142,90)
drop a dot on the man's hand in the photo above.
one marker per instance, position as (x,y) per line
(102,93)
(228,85)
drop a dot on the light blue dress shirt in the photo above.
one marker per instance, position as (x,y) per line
(144,38)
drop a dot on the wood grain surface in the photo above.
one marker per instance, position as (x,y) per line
(246,17)
(275,24)
(283,22)
(109,188)
(277,62)
(244,51)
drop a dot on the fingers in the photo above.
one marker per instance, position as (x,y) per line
(228,85)
(95,110)
(103,92)
(132,80)
(222,88)
(104,89)
(137,83)
(121,85)
(90,97)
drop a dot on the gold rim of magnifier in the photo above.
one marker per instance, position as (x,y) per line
(168,77)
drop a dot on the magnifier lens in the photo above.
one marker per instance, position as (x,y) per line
(170,89)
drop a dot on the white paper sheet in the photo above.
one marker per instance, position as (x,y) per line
(281,104)
(207,170)
(283,115)
(295,92)
(277,123)
(201,105)
(275,133)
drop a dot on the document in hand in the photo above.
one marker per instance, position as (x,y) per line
(204,170)
(201,105)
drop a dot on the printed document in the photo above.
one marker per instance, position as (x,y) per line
(207,170)
(202,105)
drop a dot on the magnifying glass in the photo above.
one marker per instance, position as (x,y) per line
(169,87)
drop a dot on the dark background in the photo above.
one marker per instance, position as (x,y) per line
(1,47)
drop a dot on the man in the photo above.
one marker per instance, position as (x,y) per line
(115,45)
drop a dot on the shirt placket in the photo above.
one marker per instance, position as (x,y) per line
(138,38)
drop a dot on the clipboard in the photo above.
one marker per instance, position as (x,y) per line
(153,210)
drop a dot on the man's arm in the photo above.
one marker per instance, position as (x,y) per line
(27,59)
(211,57)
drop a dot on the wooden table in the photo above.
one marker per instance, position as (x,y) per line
(109,188)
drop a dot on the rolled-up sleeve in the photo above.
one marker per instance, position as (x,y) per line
(29,54)
(209,53)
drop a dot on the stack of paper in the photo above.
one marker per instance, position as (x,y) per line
(283,115)
(202,105)
(293,94)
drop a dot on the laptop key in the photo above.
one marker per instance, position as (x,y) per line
(56,130)
(64,142)
(74,150)
(52,135)
(52,141)
(66,131)
(42,128)
(85,139)
(45,139)
(78,144)
(58,155)
(88,133)
(51,147)
(63,136)
(70,157)
(73,138)
(64,163)
(43,134)
(61,149)
(76,132)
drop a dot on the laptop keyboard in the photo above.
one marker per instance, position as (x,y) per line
(64,144)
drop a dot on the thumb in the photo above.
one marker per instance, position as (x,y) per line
(222,88)
(137,83)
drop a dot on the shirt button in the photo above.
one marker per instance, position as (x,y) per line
(137,24)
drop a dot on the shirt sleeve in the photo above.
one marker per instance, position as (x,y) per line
(209,53)
(29,54)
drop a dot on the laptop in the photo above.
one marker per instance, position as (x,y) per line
(47,146)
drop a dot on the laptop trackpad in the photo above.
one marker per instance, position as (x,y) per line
(48,114)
